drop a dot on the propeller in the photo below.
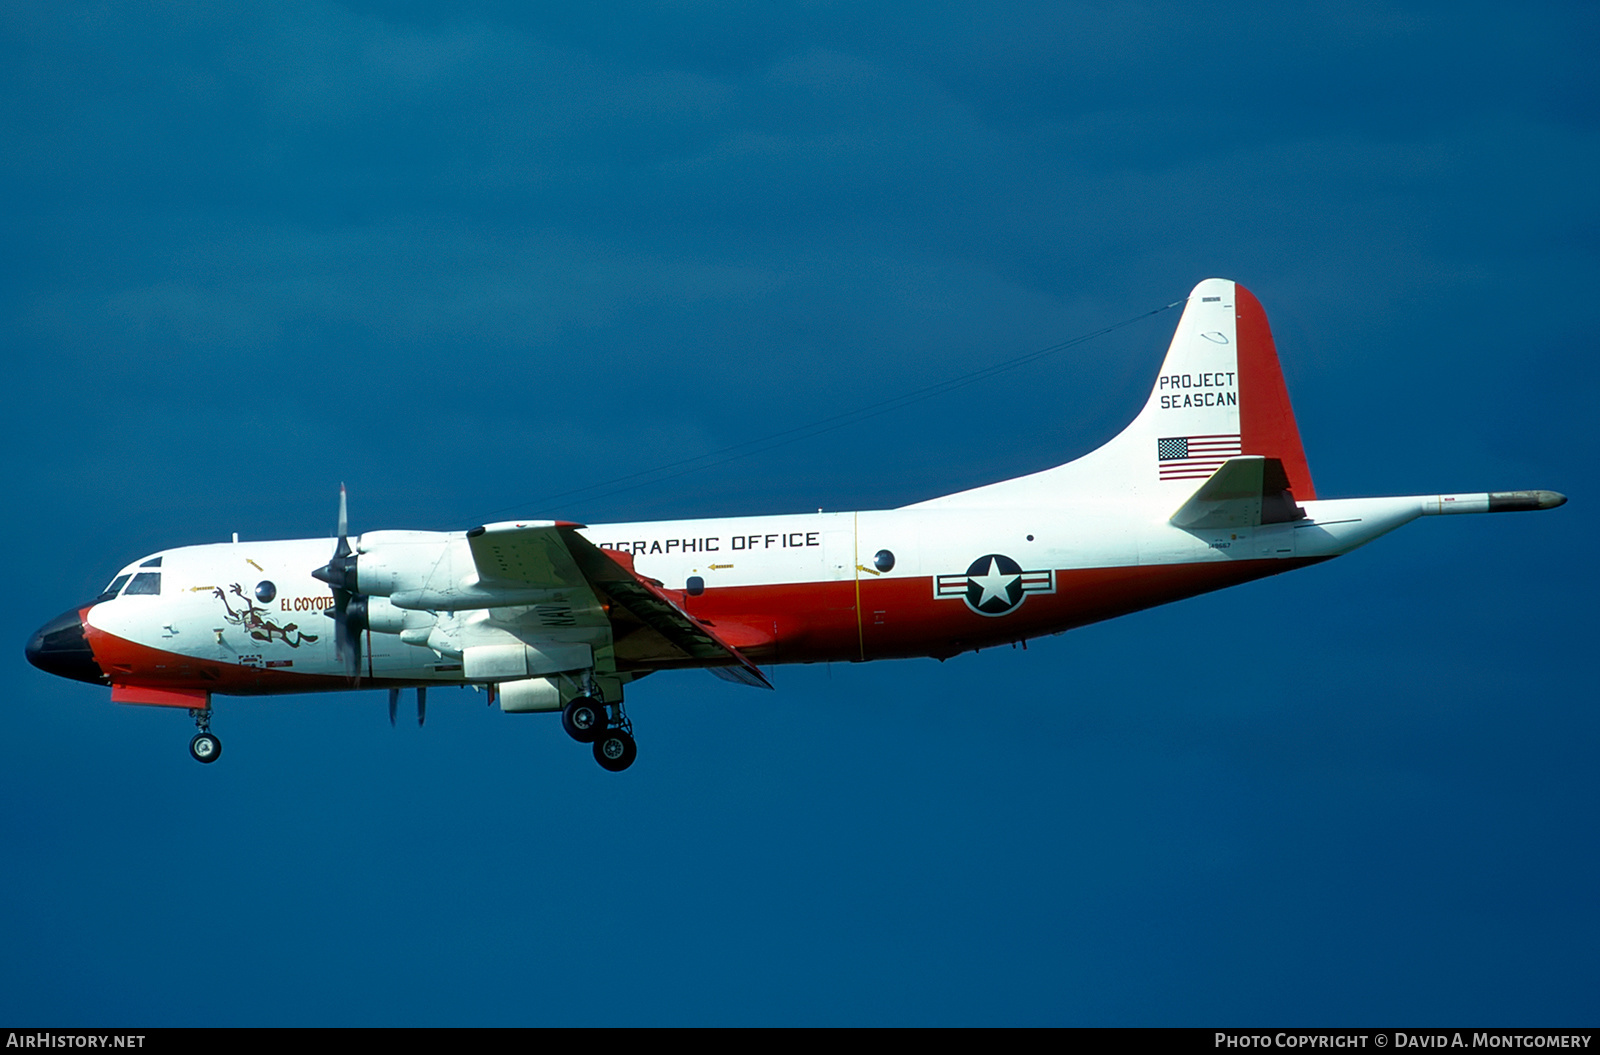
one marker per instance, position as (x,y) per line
(349,607)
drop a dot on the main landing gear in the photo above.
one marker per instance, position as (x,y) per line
(615,750)
(205,747)
(585,720)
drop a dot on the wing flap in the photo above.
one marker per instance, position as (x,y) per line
(645,601)
(740,676)
(518,557)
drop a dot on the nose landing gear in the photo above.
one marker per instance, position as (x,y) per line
(205,747)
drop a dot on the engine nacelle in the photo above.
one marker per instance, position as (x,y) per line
(530,695)
(517,660)
(390,561)
(385,618)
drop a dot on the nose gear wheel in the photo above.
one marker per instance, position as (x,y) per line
(205,747)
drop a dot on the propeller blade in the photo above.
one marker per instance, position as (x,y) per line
(347,638)
(422,705)
(340,571)
(394,701)
(349,613)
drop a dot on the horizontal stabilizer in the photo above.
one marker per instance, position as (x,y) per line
(1246,491)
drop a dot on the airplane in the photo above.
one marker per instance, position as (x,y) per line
(1208,487)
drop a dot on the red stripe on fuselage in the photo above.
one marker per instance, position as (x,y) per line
(900,618)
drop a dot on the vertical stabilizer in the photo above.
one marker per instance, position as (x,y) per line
(1219,395)
(1266,418)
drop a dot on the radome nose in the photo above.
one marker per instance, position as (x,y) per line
(60,647)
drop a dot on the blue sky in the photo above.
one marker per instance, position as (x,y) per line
(468,257)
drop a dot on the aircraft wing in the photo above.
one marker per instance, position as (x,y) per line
(523,555)
(647,625)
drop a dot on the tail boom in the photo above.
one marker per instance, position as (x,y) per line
(1493,502)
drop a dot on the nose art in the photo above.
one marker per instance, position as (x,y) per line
(60,647)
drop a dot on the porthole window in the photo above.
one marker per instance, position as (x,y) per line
(265,592)
(696,586)
(883,560)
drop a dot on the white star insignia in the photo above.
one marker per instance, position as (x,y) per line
(996,584)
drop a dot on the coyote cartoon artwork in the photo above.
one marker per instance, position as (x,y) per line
(255,622)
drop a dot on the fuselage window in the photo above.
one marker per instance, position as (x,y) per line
(111,591)
(145,582)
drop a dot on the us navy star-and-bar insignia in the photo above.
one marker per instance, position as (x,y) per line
(994,584)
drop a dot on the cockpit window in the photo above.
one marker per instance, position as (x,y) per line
(145,582)
(111,591)
(153,562)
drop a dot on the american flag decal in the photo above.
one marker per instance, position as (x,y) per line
(1195,457)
